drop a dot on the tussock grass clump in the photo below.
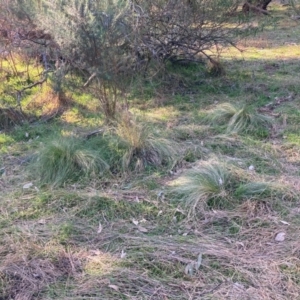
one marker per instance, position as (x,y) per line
(66,159)
(239,119)
(196,187)
(213,185)
(142,147)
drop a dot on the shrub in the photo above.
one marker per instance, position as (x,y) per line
(110,43)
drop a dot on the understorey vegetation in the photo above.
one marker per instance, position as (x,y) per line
(108,45)
(149,149)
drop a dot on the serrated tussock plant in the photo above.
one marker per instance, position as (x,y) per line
(66,159)
(197,186)
(238,119)
(142,146)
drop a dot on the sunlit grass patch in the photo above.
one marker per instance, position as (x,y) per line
(46,103)
(165,113)
(99,263)
(72,116)
(86,102)
(15,74)
(5,139)
(293,138)
(81,115)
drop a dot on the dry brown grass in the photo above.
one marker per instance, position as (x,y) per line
(254,267)
(48,103)
(249,264)
(26,278)
(26,269)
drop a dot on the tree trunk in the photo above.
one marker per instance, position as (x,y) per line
(256,6)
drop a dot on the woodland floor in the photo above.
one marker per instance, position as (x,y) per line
(51,245)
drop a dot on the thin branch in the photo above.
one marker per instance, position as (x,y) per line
(32,85)
(90,79)
(19,92)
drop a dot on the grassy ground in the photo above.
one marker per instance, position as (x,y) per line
(132,236)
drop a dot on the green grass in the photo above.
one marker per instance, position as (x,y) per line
(16,74)
(250,190)
(238,120)
(5,139)
(66,160)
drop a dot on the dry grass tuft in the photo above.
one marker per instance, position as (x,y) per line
(256,208)
(142,146)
